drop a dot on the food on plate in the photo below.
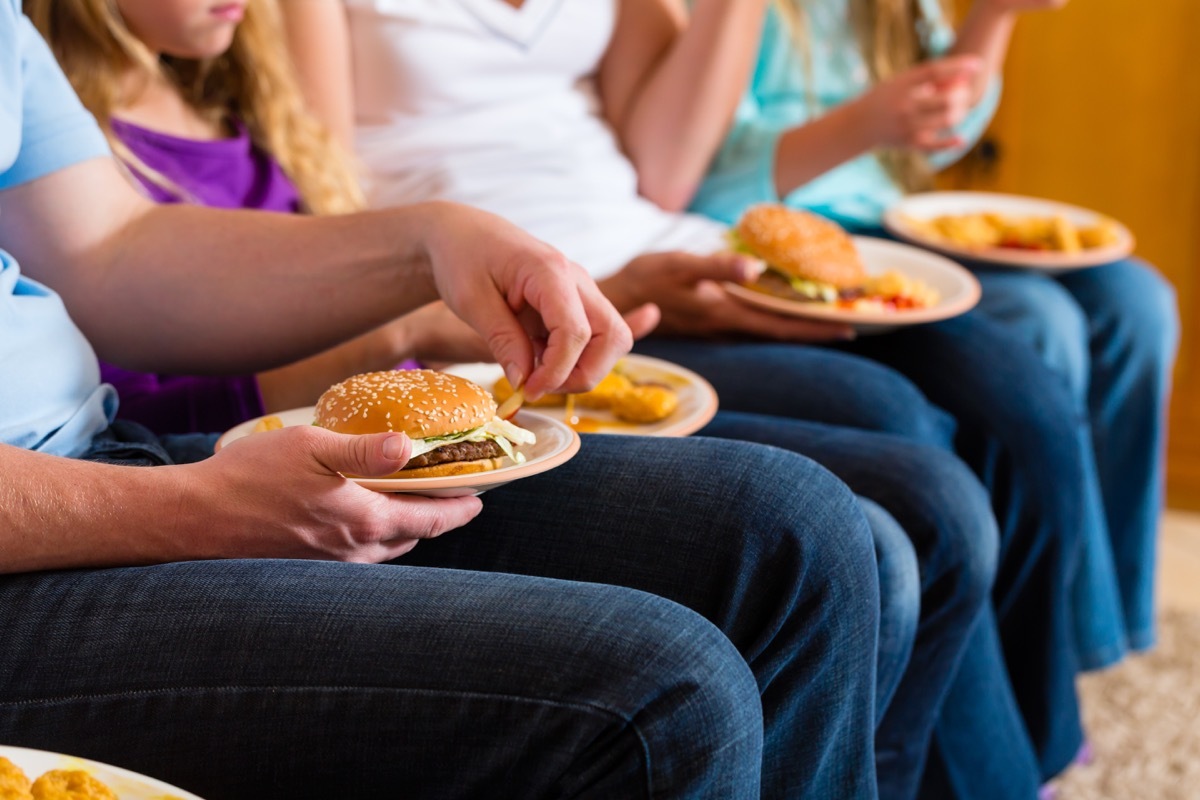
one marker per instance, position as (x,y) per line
(14,785)
(59,784)
(267,423)
(70,784)
(983,230)
(810,259)
(628,400)
(452,422)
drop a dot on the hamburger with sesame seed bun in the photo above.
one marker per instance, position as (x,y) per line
(808,257)
(452,422)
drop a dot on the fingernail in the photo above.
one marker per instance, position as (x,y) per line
(753,267)
(393,447)
(516,378)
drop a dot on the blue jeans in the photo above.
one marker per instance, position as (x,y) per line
(1112,332)
(492,661)
(1009,410)
(899,602)
(947,521)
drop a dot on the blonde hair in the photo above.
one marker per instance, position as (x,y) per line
(252,81)
(888,33)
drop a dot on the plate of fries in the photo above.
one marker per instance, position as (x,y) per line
(642,396)
(1010,230)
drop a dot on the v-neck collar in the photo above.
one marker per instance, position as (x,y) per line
(523,26)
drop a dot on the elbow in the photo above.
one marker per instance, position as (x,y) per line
(670,195)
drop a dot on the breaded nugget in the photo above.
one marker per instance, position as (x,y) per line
(14,785)
(645,404)
(70,784)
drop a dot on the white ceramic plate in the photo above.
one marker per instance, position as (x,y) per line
(928,205)
(127,785)
(697,397)
(556,444)
(957,288)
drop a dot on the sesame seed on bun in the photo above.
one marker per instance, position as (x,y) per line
(418,402)
(802,245)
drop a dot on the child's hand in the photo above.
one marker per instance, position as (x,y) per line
(919,108)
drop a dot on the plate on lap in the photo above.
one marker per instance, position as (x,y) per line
(125,784)
(957,290)
(556,444)
(1041,234)
(695,398)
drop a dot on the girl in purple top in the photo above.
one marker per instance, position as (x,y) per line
(199,103)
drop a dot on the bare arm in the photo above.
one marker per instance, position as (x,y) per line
(192,290)
(319,40)
(669,88)
(916,109)
(275,495)
(987,30)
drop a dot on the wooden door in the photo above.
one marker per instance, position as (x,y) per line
(1102,108)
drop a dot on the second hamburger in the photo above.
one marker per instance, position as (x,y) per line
(812,260)
(451,421)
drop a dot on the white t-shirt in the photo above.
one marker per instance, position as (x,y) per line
(496,107)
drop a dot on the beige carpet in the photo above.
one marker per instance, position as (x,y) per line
(1143,718)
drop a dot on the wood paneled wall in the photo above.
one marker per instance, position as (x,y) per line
(1102,108)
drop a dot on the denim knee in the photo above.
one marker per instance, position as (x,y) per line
(1131,304)
(828,540)
(1045,315)
(705,685)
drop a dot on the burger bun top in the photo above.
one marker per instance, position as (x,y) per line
(421,403)
(801,245)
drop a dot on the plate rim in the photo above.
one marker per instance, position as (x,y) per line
(894,223)
(152,784)
(471,480)
(889,319)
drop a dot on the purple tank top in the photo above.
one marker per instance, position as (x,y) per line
(225,173)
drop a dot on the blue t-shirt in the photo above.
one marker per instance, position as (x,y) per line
(788,90)
(51,398)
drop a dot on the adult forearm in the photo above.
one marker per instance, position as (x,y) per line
(684,109)
(275,288)
(55,512)
(810,150)
(985,32)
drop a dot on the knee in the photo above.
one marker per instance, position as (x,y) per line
(820,537)
(966,547)
(1144,307)
(1044,314)
(714,700)
(899,575)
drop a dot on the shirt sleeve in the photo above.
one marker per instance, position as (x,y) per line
(743,172)
(56,130)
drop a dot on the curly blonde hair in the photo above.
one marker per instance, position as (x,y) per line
(252,81)
(888,33)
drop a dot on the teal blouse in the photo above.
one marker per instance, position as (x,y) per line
(782,96)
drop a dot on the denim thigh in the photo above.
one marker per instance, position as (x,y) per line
(264,678)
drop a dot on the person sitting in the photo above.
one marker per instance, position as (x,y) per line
(230,624)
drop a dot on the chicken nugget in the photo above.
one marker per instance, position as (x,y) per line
(14,785)
(70,784)
(645,404)
(605,392)
(269,423)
